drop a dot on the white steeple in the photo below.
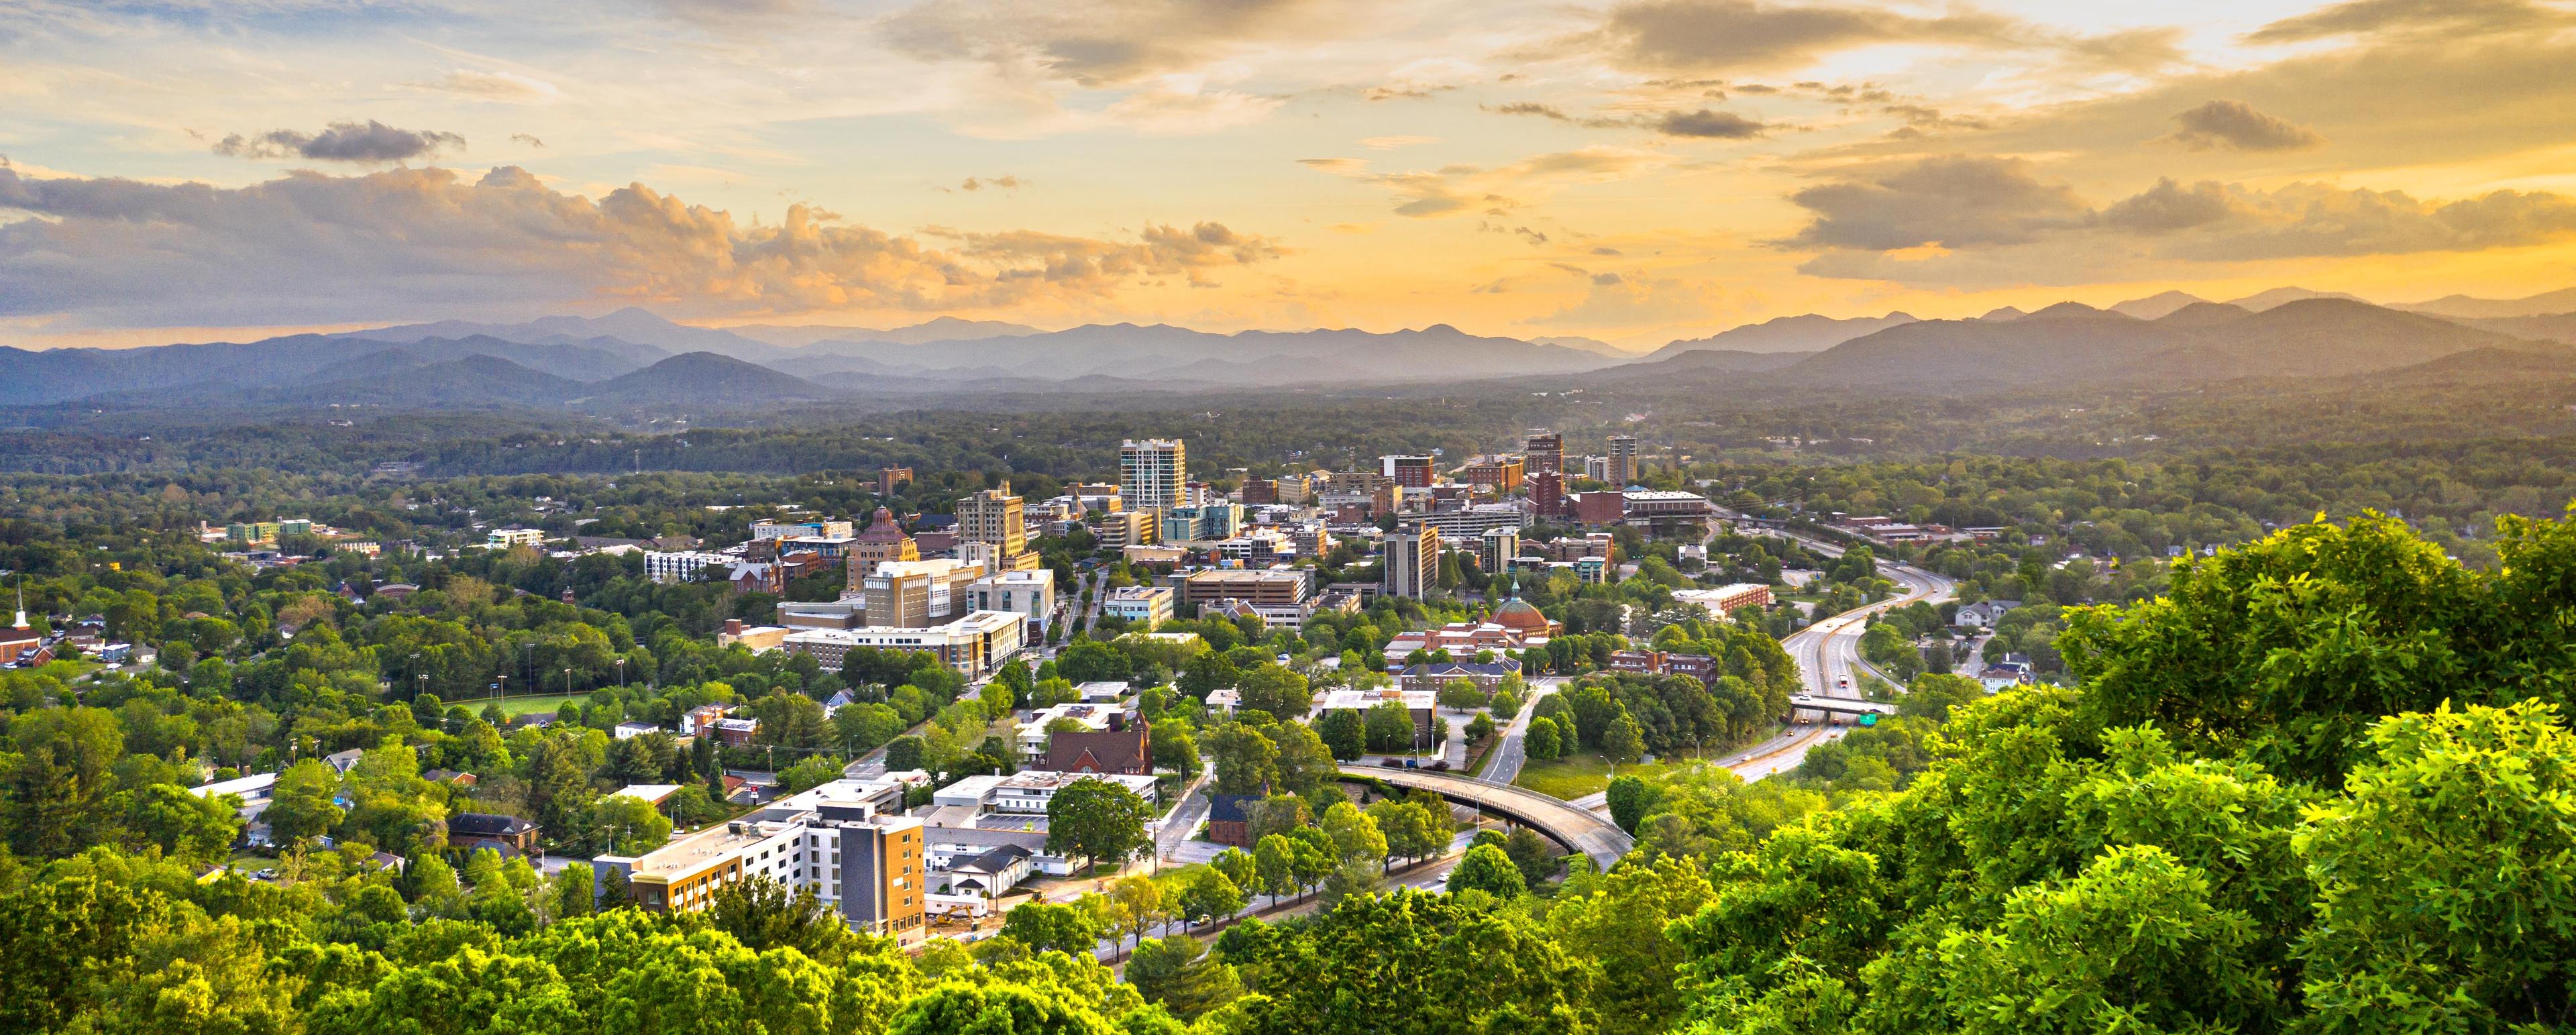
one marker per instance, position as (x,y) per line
(22,603)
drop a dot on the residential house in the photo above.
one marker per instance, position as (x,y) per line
(1128,751)
(509,835)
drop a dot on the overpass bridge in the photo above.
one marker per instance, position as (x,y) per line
(1851,706)
(1577,829)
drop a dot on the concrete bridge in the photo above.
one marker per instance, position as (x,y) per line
(1578,830)
(1850,706)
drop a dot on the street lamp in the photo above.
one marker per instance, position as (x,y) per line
(567,682)
(621,675)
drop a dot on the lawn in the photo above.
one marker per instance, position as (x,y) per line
(522,705)
(1579,775)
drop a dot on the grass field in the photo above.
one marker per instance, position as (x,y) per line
(1579,775)
(517,706)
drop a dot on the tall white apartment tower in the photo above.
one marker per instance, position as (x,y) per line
(1151,473)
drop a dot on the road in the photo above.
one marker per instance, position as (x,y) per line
(1505,764)
(1575,828)
(1828,657)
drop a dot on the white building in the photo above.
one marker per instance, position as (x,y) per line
(1027,792)
(1030,594)
(787,529)
(1724,600)
(503,538)
(1144,607)
(675,566)
(973,645)
(1151,473)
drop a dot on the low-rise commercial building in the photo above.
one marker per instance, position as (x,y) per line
(1279,586)
(1026,793)
(836,840)
(1724,600)
(973,645)
(1423,703)
(1030,594)
(1144,607)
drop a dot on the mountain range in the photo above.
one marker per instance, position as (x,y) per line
(2068,343)
(633,358)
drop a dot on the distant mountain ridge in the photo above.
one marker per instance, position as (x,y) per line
(1803,333)
(2464,307)
(2071,343)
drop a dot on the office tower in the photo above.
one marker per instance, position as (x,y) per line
(1546,451)
(1623,460)
(994,516)
(1412,472)
(1151,473)
(1547,493)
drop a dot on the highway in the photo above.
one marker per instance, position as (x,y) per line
(1828,657)
(1575,828)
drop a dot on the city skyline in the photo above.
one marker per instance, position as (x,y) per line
(1633,171)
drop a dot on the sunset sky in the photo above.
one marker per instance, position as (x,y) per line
(1631,171)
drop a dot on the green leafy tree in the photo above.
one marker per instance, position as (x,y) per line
(1246,761)
(1097,820)
(1629,799)
(629,825)
(1344,733)
(300,804)
(1045,927)
(2442,900)
(1622,743)
(1485,868)
(1276,689)
(1354,834)
(1176,973)
(1000,1009)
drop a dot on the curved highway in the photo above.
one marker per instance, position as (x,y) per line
(1577,829)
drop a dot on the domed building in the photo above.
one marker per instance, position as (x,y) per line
(1524,620)
(1514,626)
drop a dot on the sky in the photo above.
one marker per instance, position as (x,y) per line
(1633,171)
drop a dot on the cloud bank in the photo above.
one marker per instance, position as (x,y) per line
(311,247)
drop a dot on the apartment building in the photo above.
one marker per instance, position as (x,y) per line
(1204,522)
(1033,734)
(1412,555)
(1724,600)
(1027,793)
(1547,494)
(918,594)
(1151,473)
(1470,522)
(842,840)
(1497,549)
(1504,473)
(1623,460)
(498,538)
(675,566)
